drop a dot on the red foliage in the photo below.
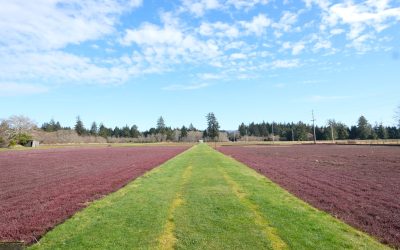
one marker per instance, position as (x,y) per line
(358,184)
(41,188)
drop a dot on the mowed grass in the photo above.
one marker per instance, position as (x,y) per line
(202,199)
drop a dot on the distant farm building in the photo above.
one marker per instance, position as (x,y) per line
(32,144)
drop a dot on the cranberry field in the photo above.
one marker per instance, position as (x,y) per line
(358,184)
(41,188)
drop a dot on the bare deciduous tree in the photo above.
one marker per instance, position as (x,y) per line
(397,116)
(20,124)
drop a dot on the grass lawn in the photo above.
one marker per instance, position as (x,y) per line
(202,199)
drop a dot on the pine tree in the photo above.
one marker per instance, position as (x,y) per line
(79,128)
(103,131)
(213,126)
(381,132)
(184,132)
(161,125)
(242,129)
(117,132)
(364,129)
(126,132)
(134,131)
(94,129)
(191,127)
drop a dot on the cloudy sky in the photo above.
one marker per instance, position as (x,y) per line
(131,61)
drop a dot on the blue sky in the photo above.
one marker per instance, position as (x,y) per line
(129,62)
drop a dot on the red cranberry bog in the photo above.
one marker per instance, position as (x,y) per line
(358,184)
(42,188)
(200,199)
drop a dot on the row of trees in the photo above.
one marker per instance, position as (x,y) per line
(161,131)
(17,130)
(333,130)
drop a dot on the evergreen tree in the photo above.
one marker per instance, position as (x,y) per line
(301,132)
(94,129)
(381,132)
(134,131)
(213,126)
(57,126)
(263,129)
(161,125)
(192,128)
(342,131)
(364,130)
(79,127)
(126,132)
(103,131)
(205,135)
(242,129)
(117,132)
(393,133)
(51,126)
(184,132)
(353,132)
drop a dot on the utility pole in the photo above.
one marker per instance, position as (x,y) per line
(333,139)
(313,121)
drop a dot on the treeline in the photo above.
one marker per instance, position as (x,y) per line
(160,132)
(20,129)
(332,130)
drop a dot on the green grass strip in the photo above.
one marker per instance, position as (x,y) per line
(202,199)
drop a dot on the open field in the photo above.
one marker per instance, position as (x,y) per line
(41,188)
(203,200)
(358,184)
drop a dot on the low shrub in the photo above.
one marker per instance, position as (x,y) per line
(22,139)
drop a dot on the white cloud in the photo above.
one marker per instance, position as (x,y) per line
(286,22)
(364,20)
(335,32)
(34,34)
(167,45)
(18,89)
(238,56)
(218,29)
(59,67)
(323,4)
(292,63)
(322,44)
(47,25)
(246,4)
(180,87)
(199,7)
(210,76)
(296,48)
(257,25)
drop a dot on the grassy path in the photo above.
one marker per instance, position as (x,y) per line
(203,200)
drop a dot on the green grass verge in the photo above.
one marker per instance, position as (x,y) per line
(202,199)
